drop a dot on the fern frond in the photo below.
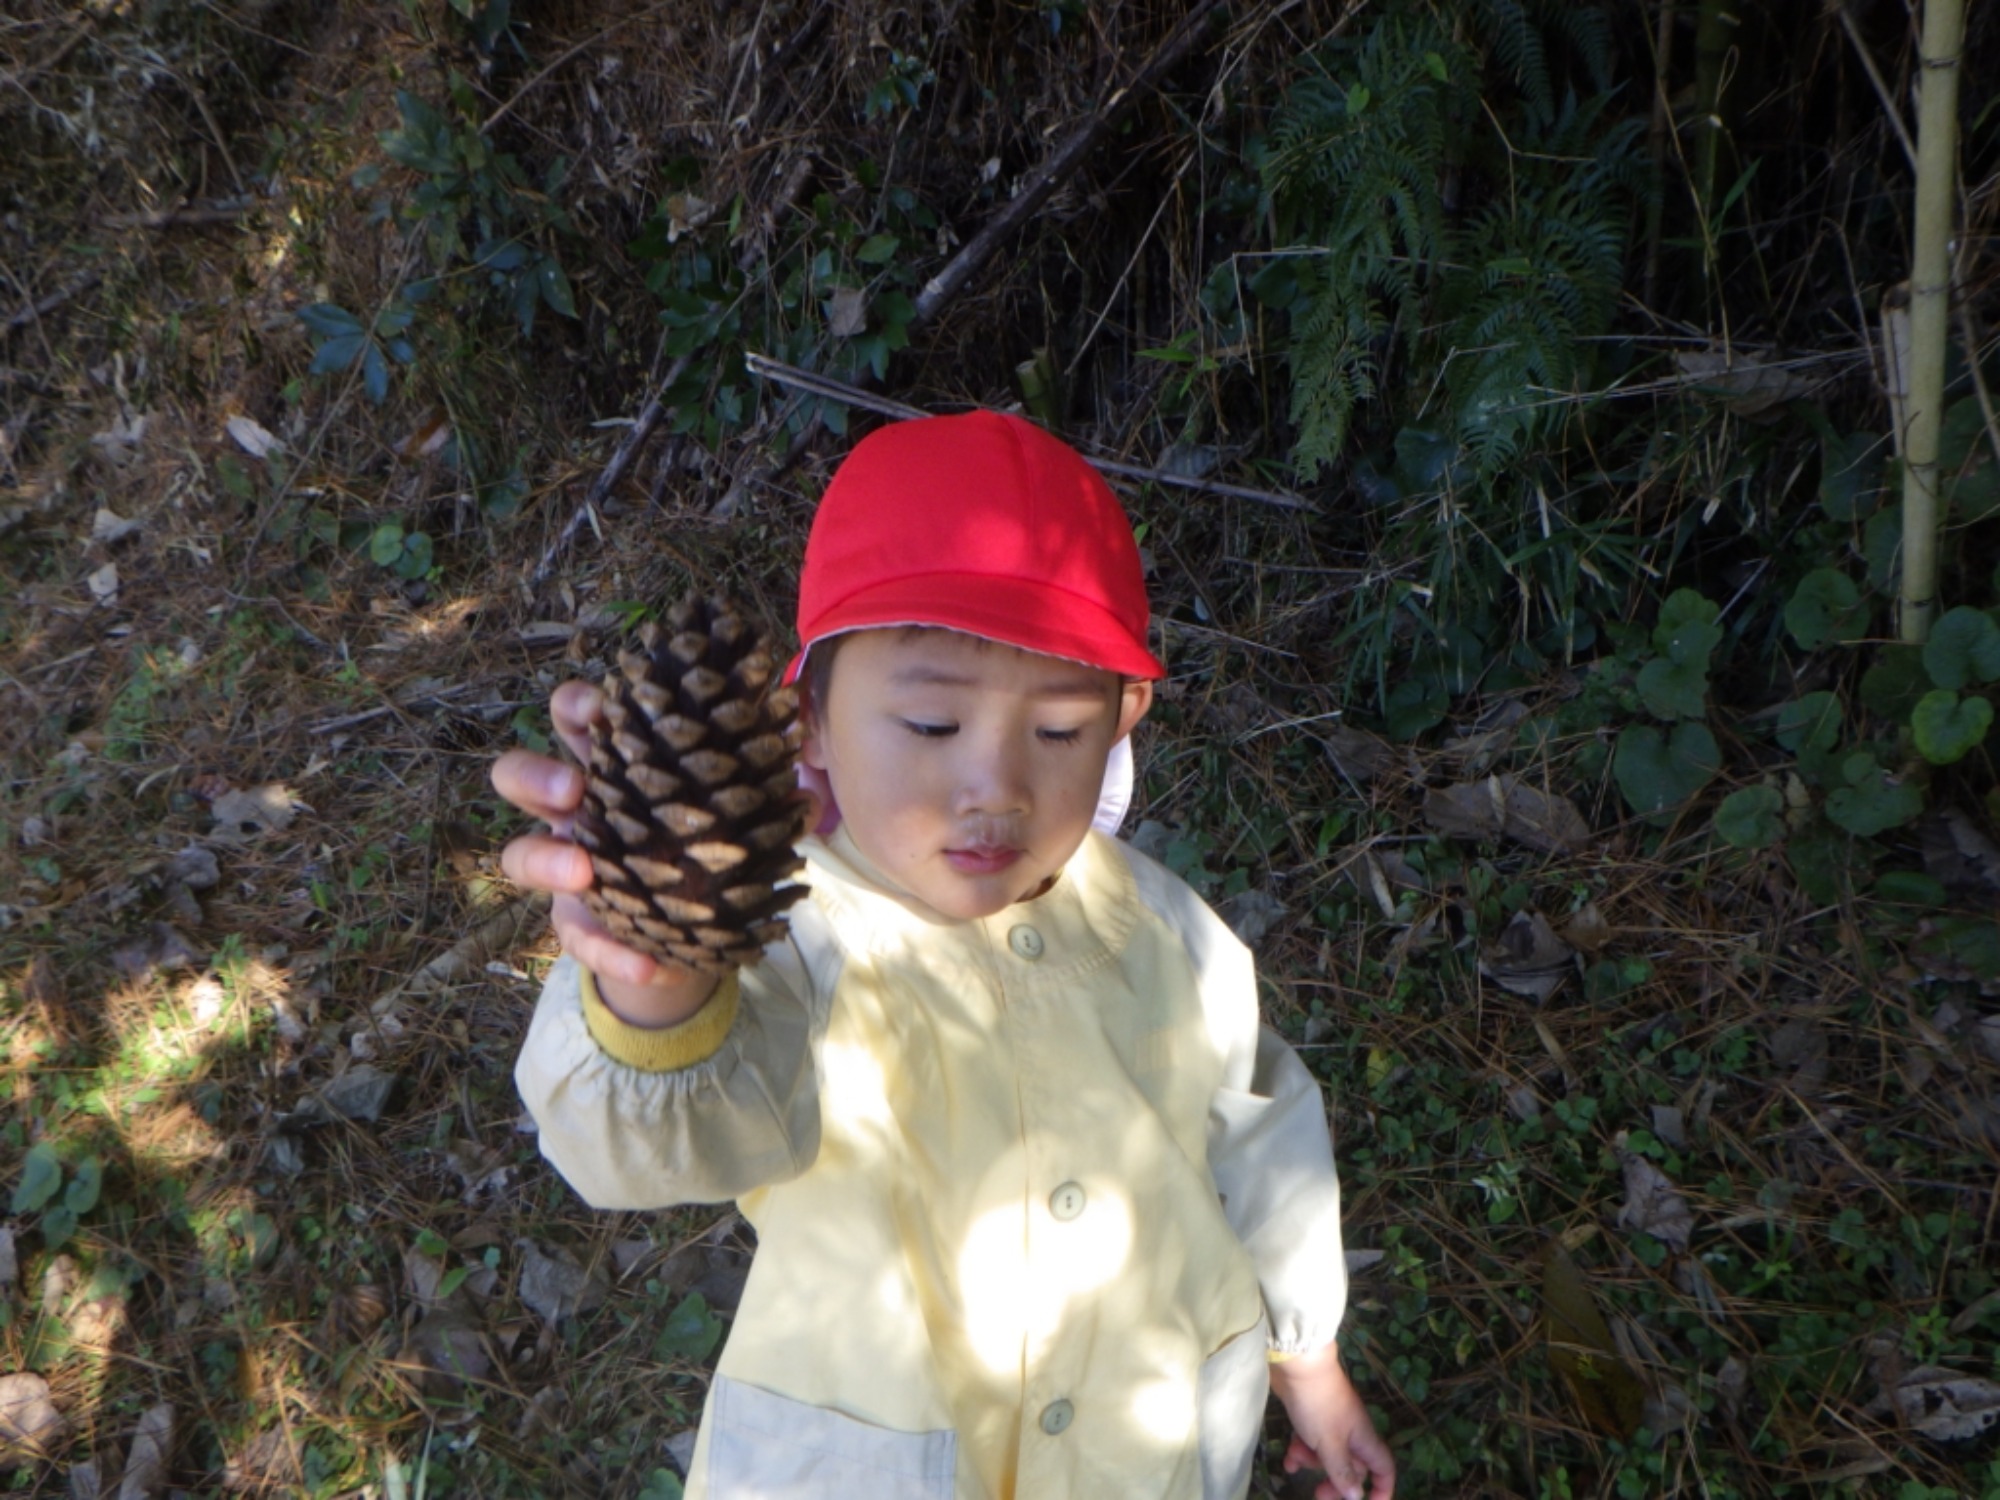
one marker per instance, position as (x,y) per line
(1517,44)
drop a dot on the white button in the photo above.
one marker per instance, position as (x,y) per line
(1056,1417)
(1066,1202)
(1026,942)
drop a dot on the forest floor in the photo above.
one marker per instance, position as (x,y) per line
(1660,1179)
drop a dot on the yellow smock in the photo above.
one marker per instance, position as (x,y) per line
(1034,1194)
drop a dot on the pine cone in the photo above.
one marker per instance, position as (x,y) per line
(691,804)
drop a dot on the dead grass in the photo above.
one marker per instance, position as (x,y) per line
(272,1268)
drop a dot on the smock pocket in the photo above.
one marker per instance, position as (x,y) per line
(1230,1395)
(763,1446)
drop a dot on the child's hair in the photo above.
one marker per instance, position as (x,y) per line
(815,674)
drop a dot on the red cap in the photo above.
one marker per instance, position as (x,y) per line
(982,523)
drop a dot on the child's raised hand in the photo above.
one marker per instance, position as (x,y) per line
(1331,1429)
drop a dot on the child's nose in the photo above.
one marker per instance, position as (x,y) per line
(993,782)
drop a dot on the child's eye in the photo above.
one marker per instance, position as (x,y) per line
(930,731)
(1062,736)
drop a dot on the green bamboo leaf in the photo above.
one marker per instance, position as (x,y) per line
(555,286)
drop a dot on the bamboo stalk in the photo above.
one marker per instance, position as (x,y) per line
(1930,310)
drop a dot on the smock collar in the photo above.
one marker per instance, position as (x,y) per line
(1081,921)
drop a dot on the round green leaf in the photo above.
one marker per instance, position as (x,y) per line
(1891,687)
(1657,773)
(1811,722)
(385,545)
(1964,645)
(1674,690)
(1872,802)
(417,555)
(1414,705)
(1751,818)
(1826,607)
(41,1175)
(1948,727)
(82,1194)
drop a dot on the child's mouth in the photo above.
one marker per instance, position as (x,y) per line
(981,859)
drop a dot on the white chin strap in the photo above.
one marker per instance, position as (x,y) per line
(1116,795)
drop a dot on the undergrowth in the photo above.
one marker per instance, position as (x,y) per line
(1631,898)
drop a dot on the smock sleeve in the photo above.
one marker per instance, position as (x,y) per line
(701,1112)
(1269,1149)
(1273,1164)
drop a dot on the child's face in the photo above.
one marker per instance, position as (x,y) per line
(966,771)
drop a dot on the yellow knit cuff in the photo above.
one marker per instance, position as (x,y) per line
(661,1049)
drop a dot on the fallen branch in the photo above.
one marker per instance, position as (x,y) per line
(830,389)
(225,211)
(518,922)
(1064,160)
(54,300)
(635,436)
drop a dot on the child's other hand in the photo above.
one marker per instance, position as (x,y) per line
(635,986)
(1331,1429)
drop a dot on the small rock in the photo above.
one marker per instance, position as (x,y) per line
(59,1279)
(361,1093)
(10,1265)
(30,1425)
(104,585)
(1251,914)
(554,1285)
(146,1464)
(450,1345)
(83,1482)
(195,868)
(241,816)
(1669,1126)
(108,526)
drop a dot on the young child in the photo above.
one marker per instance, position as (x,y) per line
(1038,1204)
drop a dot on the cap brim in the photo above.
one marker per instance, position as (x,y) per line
(1018,612)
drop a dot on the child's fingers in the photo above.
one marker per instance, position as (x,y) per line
(542,863)
(1299,1455)
(572,707)
(1369,1451)
(596,949)
(541,787)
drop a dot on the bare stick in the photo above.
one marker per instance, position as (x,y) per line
(641,428)
(53,301)
(1882,93)
(829,389)
(1065,159)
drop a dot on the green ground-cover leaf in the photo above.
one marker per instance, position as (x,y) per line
(1964,646)
(1811,722)
(1658,772)
(1826,608)
(1752,818)
(1947,727)
(41,1176)
(1872,801)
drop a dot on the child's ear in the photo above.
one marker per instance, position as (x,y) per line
(1134,699)
(809,748)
